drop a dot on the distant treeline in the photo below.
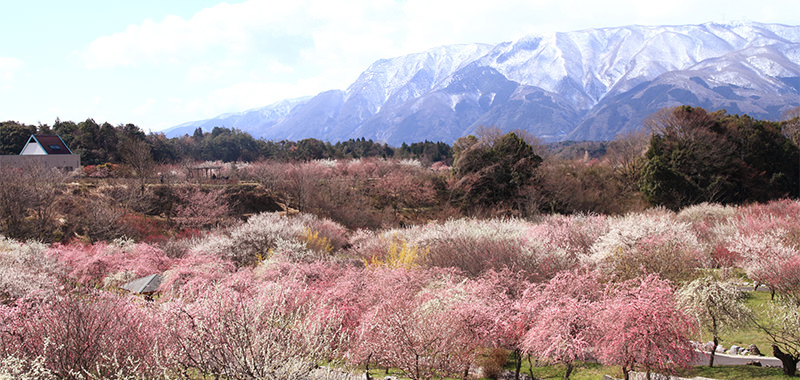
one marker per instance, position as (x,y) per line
(101,143)
(687,156)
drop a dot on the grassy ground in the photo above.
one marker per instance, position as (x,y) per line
(581,371)
(595,371)
(758,302)
(735,373)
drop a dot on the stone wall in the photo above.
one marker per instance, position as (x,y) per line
(66,162)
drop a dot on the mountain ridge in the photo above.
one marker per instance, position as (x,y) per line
(590,84)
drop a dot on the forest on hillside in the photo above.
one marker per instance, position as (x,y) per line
(104,143)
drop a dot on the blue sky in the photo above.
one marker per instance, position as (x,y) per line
(160,63)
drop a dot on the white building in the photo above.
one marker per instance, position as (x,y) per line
(47,150)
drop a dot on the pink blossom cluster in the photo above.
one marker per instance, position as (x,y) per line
(279,319)
(276,295)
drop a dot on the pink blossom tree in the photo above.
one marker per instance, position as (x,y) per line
(201,209)
(423,325)
(766,238)
(562,328)
(406,186)
(501,294)
(768,259)
(98,335)
(193,274)
(400,333)
(92,264)
(640,326)
(244,334)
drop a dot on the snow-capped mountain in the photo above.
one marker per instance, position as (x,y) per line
(589,84)
(251,121)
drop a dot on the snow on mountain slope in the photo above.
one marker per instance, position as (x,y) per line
(591,83)
(600,59)
(251,121)
(402,78)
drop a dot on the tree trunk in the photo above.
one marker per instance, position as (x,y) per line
(518,356)
(366,367)
(568,372)
(713,352)
(626,373)
(416,366)
(530,367)
(466,373)
(789,362)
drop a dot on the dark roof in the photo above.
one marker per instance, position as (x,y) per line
(51,144)
(144,285)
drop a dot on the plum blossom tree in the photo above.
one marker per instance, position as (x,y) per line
(429,324)
(641,327)
(499,304)
(715,305)
(245,335)
(199,209)
(562,243)
(652,242)
(562,328)
(94,335)
(123,260)
(483,313)
(405,335)
(472,245)
(768,260)
(780,323)
(25,269)
(305,237)
(190,276)
(407,187)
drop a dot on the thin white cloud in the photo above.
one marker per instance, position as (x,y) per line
(224,31)
(328,32)
(8,68)
(238,56)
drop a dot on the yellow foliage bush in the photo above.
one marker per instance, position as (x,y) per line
(399,255)
(317,243)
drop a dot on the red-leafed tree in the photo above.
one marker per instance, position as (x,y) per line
(641,327)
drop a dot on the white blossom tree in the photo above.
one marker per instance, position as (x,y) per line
(717,306)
